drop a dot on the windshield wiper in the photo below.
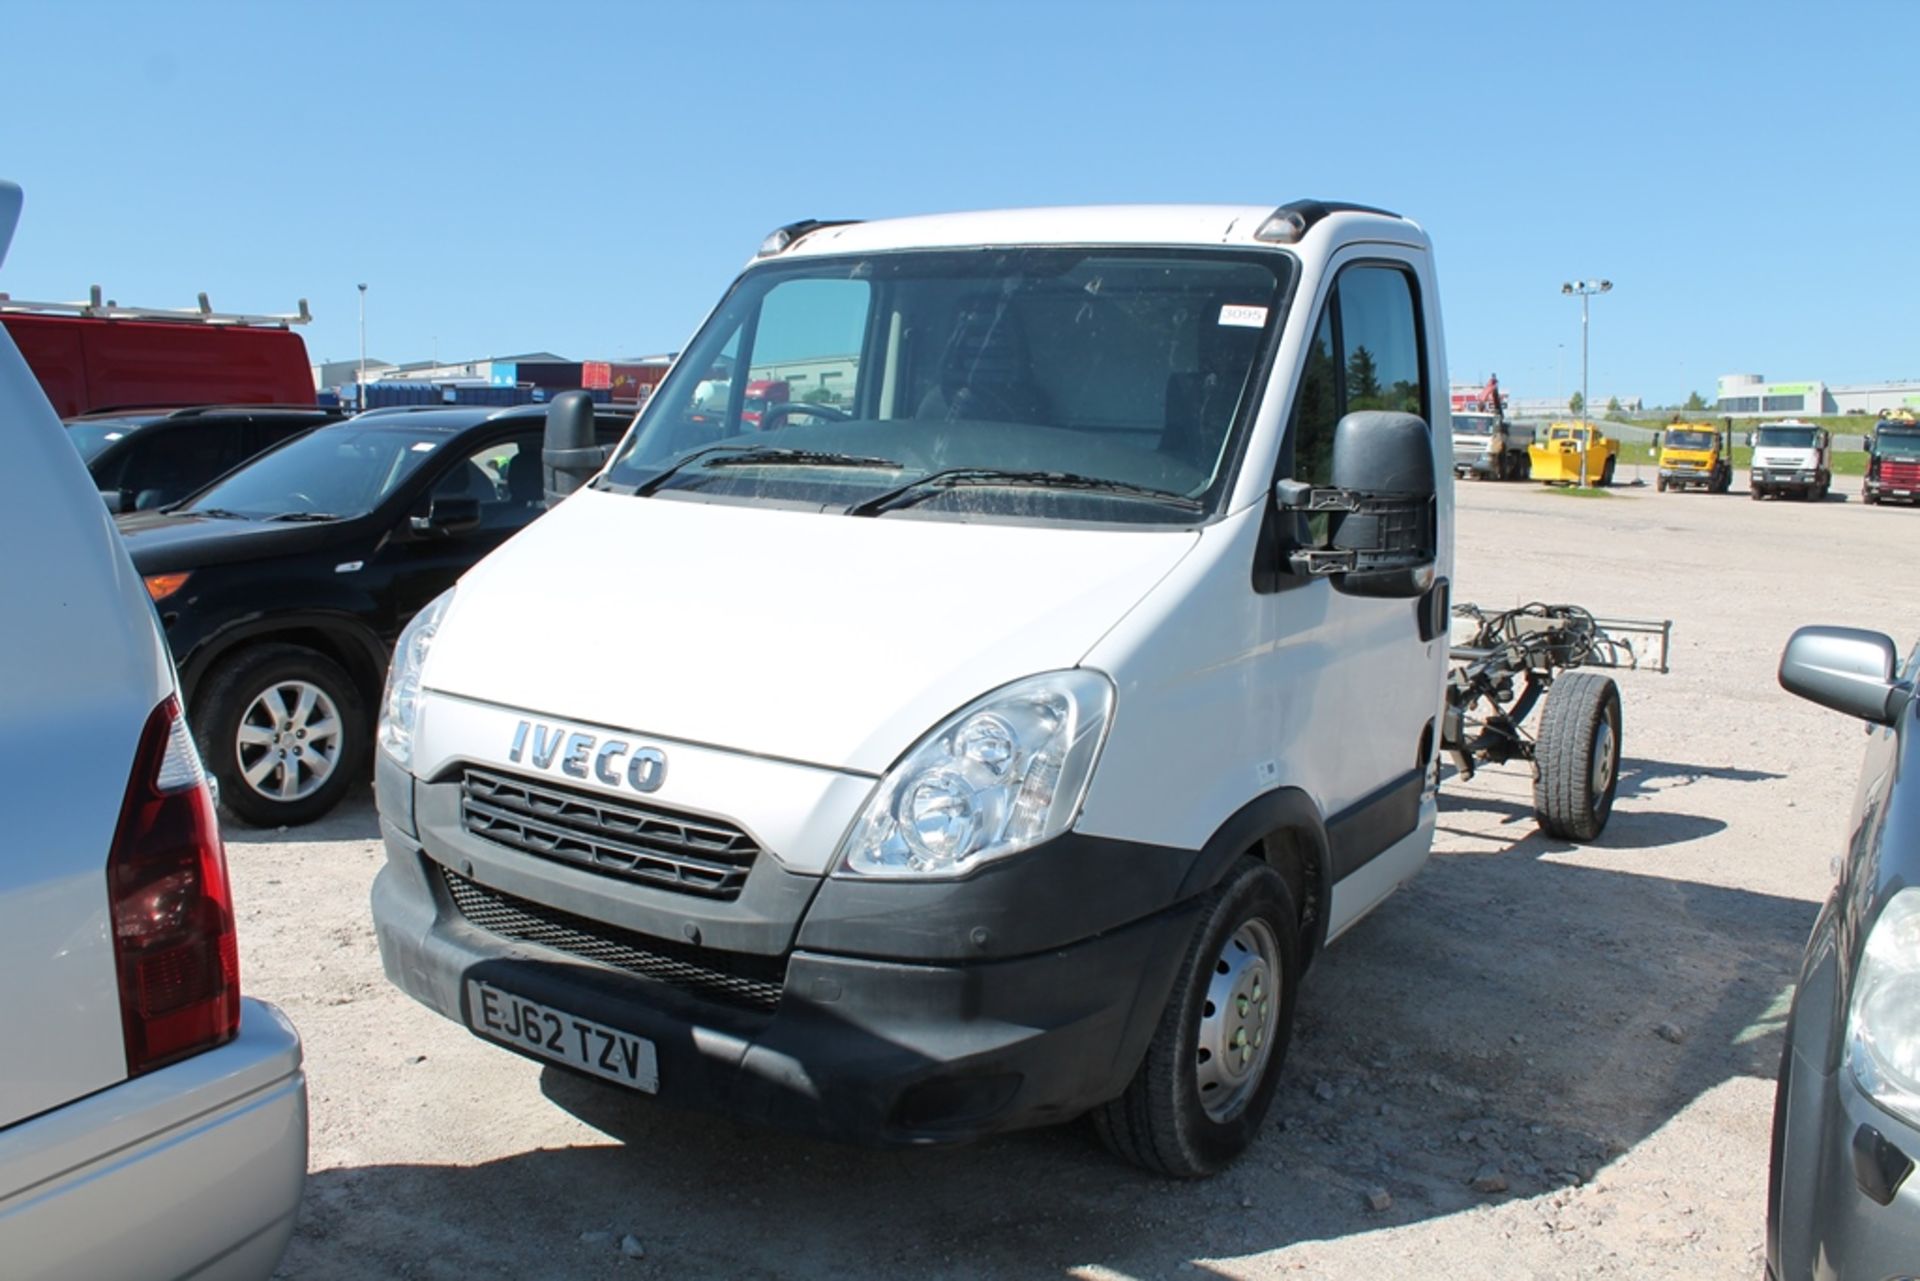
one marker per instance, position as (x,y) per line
(290,516)
(218,513)
(754,455)
(955,477)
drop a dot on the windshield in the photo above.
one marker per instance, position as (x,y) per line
(1702,440)
(92,437)
(1121,371)
(1784,438)
(1473,424)
(1904,445)
(336,471)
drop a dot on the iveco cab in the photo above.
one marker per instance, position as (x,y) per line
(996,744)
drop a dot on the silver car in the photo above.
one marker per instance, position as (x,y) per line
(1842,1200)
(153,1123)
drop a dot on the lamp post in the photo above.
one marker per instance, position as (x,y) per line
(360,387)
(1586,289)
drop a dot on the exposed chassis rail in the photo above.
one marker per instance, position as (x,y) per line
(1507,666)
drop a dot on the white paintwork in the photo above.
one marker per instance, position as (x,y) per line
(795,812)
(834,641)
(827,639)
(1097,225)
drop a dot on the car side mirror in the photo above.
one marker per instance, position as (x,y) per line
(1382,537)
(448,516)
(1847,669)
(569,453)
(117,500)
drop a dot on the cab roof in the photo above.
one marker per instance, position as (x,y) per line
(1195,225)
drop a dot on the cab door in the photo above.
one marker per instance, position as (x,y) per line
(1356,687)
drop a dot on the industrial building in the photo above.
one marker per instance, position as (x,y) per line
(1752,395)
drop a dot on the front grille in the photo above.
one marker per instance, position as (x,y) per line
(739,979)
(609,834)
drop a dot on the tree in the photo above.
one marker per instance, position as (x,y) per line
(1363,380)
(1613,404)
(1576,404)
(1695,401)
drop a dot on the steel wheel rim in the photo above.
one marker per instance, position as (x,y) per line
(1238,1021)
(289,741)
(1604,744)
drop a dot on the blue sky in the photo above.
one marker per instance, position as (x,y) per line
(587,178)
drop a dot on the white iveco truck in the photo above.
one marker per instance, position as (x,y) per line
(992,733)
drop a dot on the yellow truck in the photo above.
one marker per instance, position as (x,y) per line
(1696,456)
(1573,454)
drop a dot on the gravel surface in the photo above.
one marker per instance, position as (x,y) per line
(1537,1060)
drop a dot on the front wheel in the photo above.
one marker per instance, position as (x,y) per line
(1606,474)
(1660,484)
(1203,1089)
(285,732)
(1756,493)
(1576,766)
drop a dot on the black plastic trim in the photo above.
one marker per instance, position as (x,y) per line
(1878,1166)
(1370,826)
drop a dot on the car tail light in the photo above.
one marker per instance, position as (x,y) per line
(173,938)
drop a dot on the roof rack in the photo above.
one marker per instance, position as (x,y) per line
(100,307)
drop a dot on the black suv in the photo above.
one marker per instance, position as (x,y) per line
(147,458)
(283,585)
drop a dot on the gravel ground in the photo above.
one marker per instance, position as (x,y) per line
(1537,1060)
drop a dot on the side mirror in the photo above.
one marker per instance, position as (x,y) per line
(1847,669)
(1749,440)
(569,453)
(117,500)
(449,516)
(1380,507)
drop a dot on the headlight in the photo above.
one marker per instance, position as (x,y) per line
(400,705)
(1883,1025)
(999,776)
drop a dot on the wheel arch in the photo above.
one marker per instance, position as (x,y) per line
(347,642)
(1283,828)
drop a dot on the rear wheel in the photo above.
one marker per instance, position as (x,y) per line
(1576,767)
(285,732)
(1203,1089)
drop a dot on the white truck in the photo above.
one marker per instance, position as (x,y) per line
(1791,457)
(998,745)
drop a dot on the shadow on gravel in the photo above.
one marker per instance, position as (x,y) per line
(1640,777)
(354,819)
(1506,1020)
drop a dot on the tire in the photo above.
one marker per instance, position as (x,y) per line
(1162,1122)
(1871,500)
(241,693)
(1577,757)
(1660,484)
(1606,474)
(1756,493)
(1526,468)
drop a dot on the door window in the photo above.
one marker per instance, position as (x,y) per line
(503,476)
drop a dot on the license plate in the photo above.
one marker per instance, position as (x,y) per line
(1903,493)
(565,1038)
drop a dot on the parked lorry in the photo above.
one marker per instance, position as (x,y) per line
(1791,457)
(1485,445)
(1696,456)
(98,355)
(1574,454)
(1893,460)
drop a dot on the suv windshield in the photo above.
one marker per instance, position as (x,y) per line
(336,471)
(1784,438)
(1052,384)
(1473,424)
(1702,440)
(93,436)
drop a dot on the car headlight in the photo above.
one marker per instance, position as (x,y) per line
(1883,1023)
(1001,775)
(400,704)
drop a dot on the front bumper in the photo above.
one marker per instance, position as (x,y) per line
(1777,480)
(1838,1153)
(861,1043)
(195,1170)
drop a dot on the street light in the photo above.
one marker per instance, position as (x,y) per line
(360,388)
(1586,289)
